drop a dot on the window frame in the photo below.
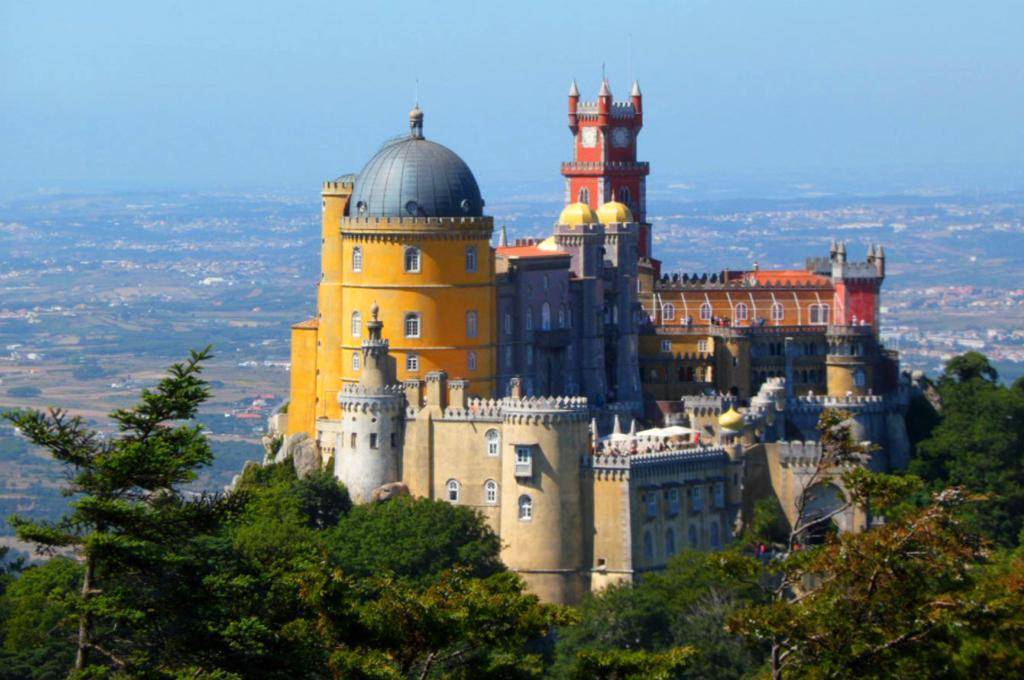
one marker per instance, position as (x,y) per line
(668,312)
(357,259)
(417,319)
(491,492)
(525,505)
(356,322)
(453,487)
(472,261)
(493,440)
(705,311)
(415,252)
(412,362)
(472,323)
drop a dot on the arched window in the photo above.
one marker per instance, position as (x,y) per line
(529,319)
(648,547)
(471,324)
(355,361)
(778,312)
(525,508)
(547,283)
(668,312)
(545,317)
(470,258)
(670,542)
(694,542)
(491,492)
(493,442)
(412,259)
(742,312)
(454,491)
(412,362)
(357,259)
(859,378)
(508,322)
(625,197)
(584,196)
(561,316)
(412,325)
(705,311)
(471,360)
(357,325)
(716,539)
(702,345)
(819,314)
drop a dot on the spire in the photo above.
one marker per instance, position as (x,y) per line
(573,90)
(871,251)
(880,252)
(617,427)
(632,427)
(503,239)
(416,122)
(605,90)
(635,92)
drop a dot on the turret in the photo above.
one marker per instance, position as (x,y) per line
(876,256)
(604,103)
(574,102)
(637,103)
(369,448)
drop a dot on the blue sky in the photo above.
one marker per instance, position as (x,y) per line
(232,94)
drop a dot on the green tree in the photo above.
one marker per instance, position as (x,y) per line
(414,538)
(979,444)
(129,513)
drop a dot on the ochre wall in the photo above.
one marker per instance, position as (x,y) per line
(302,404)
(442,292)
(335,197)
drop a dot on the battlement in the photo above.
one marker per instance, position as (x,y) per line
(360,223)
(476,409)
(731,279)
(619,461)
(602,168)
(798,453)
(618,110)
(343,185)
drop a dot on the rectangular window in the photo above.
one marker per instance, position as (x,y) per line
(524,461)
(651,501)
(702,346)
(666,345)
(355,361)
(697,498)
(394,440)
(508,322)
(412,362)
(471,324)
(471,360)
(673,501)
(719,495)
(508,355)
(373,440)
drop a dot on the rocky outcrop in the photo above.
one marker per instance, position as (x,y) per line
(386,491)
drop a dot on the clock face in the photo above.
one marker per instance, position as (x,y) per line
(589,137)
(620,137)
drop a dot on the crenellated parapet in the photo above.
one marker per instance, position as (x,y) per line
(544,410)
(387,229)
(476,409)
(620,465)
(707,405)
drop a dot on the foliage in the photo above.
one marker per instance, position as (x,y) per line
(979,444)
(684,607)
(413,538)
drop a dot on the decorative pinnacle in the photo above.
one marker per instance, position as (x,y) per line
(635,92)
(374,310)
(605,90)
(416,122)
(503,240)
(573,90)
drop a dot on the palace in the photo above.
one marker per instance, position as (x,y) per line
(511,378)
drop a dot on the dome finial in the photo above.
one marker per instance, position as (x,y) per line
(416,122)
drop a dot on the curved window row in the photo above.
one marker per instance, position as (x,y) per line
(453,491)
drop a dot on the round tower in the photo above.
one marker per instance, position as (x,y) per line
(544,440)
(848,362)
(369,452)
(416,242)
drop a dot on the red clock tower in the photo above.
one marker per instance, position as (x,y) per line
(604,167)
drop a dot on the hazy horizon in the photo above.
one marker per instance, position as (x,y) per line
(186,96)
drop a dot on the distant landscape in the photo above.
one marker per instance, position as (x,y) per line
(99,292)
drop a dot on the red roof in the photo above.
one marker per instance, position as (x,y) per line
(528,251)
(308,323)
(789,277)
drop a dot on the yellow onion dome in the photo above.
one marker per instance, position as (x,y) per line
(614,212)
(731,420)
(577,213)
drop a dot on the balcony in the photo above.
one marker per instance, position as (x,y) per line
(524,462)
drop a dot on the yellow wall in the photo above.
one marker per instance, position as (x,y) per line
(329,351)
(302,404)
(442,292)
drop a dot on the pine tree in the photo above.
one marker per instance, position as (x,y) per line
(129,511)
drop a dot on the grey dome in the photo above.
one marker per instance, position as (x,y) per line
(414,177)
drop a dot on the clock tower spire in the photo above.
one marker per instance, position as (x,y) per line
(604,165)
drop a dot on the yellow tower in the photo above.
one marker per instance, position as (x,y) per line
(329,349)
(416,243)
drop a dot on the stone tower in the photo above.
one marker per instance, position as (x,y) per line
(369,449)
